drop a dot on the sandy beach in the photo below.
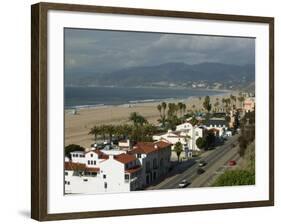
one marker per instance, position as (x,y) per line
(78,126)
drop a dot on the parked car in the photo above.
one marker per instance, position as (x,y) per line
(183,184)
(232,163)
(202,163)
(200,171)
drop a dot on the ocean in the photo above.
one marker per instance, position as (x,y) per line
(75,97)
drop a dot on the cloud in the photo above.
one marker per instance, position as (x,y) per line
(99,51)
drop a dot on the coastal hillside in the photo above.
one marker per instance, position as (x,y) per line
(204,75)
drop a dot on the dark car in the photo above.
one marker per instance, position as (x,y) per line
(200,171)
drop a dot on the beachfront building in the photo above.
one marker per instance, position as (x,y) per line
(154,158)
(218,125)
(185,133)
(110,172)
(193,132)
(172,137)
(101,171)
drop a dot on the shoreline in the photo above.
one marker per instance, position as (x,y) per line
(78,125)
(136,102)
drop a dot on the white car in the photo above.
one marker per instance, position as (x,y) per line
(183,184)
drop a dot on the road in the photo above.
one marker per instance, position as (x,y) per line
(216,159)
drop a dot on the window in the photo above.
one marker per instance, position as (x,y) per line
(89,162)
(85,180)
(161,162)
(154,163)
(147,166)
(92,162)
(67,182)
(139,155)
(81,155)
(196,133)
(65,173)
(94,174)
(104,176)
(127,177)
(105,185)
(95,162)
(92,155)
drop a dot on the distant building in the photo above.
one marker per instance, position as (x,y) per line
(125,144)
(249,104)
(186,134)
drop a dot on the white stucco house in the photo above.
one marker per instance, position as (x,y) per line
(102,171)
(154,158)
(185,133)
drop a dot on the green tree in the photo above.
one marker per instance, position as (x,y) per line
(164,106)
(241,99)
(95,131)
(159,108)
(72,148)
(201,143)
(235,177)
(137,119)
(207,104)
(178,149)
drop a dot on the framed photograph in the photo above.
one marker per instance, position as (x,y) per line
(140,111)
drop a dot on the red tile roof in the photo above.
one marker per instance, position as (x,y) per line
(133,170)
(101,155)
(79,167)
(125,158)
(149,147)
(92,169)
(74,166)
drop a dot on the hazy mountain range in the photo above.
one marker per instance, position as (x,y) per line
(175,74)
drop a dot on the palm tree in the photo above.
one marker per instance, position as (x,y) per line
(95,131)
(164,106)
(134,117)
(233,99)
(206,104)
(241,99)
(184,108)
(159,108)
(180,108)
(110,130)
(178,149)
(103,131)
(137,119)
(162,120)
(216,105)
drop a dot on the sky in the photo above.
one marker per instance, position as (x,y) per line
(100,51)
